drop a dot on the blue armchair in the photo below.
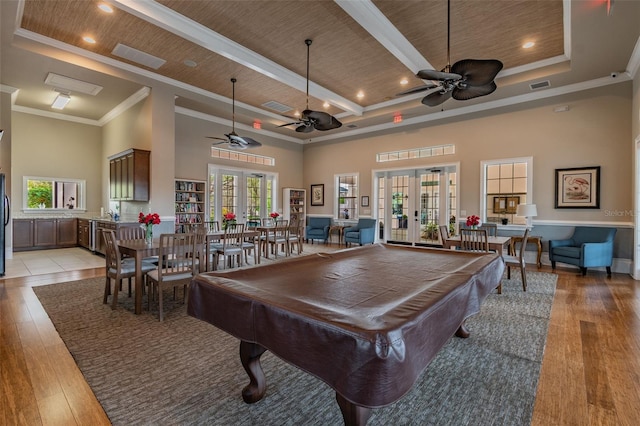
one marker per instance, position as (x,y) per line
(363,233)
(588,247)
(318,229)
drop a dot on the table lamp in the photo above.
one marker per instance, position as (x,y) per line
(528,211)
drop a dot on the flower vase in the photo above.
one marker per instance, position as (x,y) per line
(148,236)
(474,227)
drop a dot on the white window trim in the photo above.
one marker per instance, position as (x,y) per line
(336,195)
(483,180)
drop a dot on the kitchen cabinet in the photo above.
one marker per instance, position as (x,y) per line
(44,233)
(129,175)
(84,233)
(108,225)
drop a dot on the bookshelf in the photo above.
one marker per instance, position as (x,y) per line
(294,204)
(190,204)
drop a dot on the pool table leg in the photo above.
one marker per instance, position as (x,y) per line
(462,331)
(250,354)
(351,413)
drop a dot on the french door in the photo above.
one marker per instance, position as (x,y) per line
(412,204)
(250,195)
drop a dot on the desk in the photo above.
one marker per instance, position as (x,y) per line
(531,239)
(495,243)
(139,249)
(337,309)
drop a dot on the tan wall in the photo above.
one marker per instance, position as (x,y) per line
(594,132)
(48,147)
(193,152)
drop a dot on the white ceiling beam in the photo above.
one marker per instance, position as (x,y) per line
(167,19)
(365,13)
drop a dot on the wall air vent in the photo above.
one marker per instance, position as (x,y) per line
(277,106)
(540,85)
(71,84)
(138,56)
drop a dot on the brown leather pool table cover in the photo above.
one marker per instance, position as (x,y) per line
(367,321)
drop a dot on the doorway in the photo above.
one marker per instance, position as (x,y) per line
(249,194)
(413,203)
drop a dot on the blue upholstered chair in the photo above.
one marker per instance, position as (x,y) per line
(318,229)
(363,233)
(588,247)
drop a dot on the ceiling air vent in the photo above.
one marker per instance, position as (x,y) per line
(277,106)
(540,85)
(138,56)
(71,84)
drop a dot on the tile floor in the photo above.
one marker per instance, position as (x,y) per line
(39,262)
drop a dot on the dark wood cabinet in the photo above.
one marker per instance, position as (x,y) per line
(129,175)
(102,225)
(22,234)
(35,234)
(84,233)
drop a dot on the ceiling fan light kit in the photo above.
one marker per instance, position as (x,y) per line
(312,120)
(235,141)
(466,79)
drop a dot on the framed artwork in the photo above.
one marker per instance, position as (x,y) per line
(499,204)
(365,201)
(317,194)
(512,204)
(578,188)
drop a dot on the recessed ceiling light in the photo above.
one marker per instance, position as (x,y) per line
(528,45)
(105,8)
(360,95)
(190,63)
(89,39)
(404,81)
(326,105)
(297,113)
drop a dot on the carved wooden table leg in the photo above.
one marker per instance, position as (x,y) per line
(250,357)
(462,331)
(351,413)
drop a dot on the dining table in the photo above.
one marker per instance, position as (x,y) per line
(495,243)
(215,236)
(138,250)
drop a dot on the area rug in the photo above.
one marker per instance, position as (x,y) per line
(186,372)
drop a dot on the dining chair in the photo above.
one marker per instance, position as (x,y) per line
(444,233)
(517,261)
(212,225)
(296,236)
(131,233)
(279,238)
(492,229)
(249,245)
(177,254)
(117,268)
(231,245)
(474,240)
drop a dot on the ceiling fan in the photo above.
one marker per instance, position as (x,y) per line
(310,120)
(235,141)
(466,79)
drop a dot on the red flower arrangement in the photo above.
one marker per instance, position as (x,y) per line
(473,220)
(150,219)
(274,215)
(229,216)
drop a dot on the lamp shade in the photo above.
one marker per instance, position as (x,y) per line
(526,210)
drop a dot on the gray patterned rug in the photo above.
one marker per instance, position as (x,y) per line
(186,372)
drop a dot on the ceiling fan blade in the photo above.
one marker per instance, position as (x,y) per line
(436,98)
(304,129)
(470,92)
(219,143)
(244,141)
(477,72)
(437,75)
(322,120)
(289,124)
(418,89)
(215,137)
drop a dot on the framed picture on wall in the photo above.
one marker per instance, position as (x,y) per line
(512,204)
(365,201)
(499,204)
(578,188)
(317,194)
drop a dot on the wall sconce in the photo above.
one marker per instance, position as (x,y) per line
(61,101)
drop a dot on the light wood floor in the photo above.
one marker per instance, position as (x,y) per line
(590,373)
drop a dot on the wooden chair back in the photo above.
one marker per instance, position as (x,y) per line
(492,229)
(130,233)
(444,233)
(474,240)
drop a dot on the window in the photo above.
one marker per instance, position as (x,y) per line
(53,193)
(347,194)
(507,183)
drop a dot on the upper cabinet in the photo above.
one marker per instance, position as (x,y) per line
(129,175)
